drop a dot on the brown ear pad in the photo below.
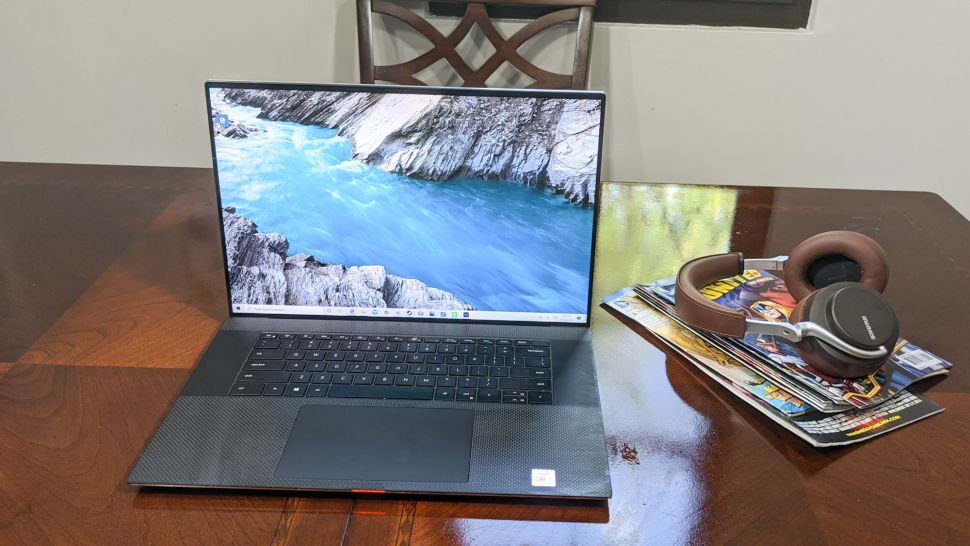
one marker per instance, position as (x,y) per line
(835,256)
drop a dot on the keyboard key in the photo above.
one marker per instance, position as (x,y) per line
(359,338)
(257,365)
(486,349)
(294,365)
(467,383)
(522,343)
(427,347)
(466,349)
(316,355)
(465,395)
(267,354)
(267,335)
(447,348)
(498,371)
(335,355)
(302,377)
(364,379)
(343,379)
(489,395)
(305,336)
(246,389)
(310,345)
(454,359)
(384,380)
(503,341)
(322,336)
(394,358)
(503,350)
(316,367)
(337,367)
(457,370)
(374,356)
(444,394)
(290,344)
(434,359)
(530,372)
(475,360)
(355,356)
(268,344)
(357,367)
(348,345)
(525,384)
(487,383)
(295,390)
(532,351)
(404,380)
(322,378)
(540,343)
(533,362)
(539,397)
(287,336)
(377,367)
(415,358)
(425,381)
(264,377)
(274,389)
(417,369)
(438,369)
(507,399)
(317,390)
(447,381)
(477,371)
(397,368)
(381,391)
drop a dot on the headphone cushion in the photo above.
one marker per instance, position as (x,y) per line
(870,257)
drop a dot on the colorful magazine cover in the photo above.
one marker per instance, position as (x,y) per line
(701,352)
(760,365)
(762,295)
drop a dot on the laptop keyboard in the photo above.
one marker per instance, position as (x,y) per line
(510,371)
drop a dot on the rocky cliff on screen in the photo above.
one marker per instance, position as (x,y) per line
(261,272)
(538,142)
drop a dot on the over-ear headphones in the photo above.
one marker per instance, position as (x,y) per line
(842,325)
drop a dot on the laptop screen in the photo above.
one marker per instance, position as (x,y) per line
(407,203)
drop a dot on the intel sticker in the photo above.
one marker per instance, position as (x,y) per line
(543,477)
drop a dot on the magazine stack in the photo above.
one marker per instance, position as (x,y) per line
(767,373)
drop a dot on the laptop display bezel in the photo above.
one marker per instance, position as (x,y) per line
(429,90)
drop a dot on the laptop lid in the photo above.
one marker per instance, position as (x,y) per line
(407,203)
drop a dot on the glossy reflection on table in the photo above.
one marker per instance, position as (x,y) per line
(112,286)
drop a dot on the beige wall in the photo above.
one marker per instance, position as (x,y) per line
(874,96)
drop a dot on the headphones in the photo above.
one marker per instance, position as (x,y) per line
(841,326)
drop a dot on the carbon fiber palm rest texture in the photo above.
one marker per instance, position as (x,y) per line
(230,442)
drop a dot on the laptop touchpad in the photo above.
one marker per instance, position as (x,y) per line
(378,444)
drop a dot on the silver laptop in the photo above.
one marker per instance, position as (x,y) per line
(409,277)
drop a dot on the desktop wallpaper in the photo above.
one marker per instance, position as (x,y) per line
(347,199)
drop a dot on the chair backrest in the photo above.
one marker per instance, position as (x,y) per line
(506,49)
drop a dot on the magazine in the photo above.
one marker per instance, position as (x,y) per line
(762,295)
(816,428)
(699,351)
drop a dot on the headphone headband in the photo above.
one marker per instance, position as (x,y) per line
(701,312)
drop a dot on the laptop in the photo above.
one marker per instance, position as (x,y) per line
(409,277)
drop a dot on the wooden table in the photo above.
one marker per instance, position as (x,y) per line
(111,286)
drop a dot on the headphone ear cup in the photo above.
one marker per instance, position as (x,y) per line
(823,357)
(835,256)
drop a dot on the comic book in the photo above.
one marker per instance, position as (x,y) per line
(701,352)
(757,364)
(814,427)
(762,295)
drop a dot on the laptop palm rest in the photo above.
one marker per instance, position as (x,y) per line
(369,443)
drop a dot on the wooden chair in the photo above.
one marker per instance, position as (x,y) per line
(506,49)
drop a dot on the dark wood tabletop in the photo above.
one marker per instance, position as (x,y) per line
(111,285)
